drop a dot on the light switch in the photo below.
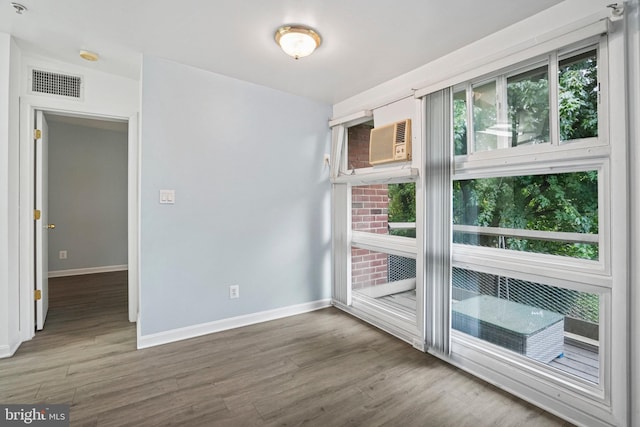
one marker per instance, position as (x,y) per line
(167,197)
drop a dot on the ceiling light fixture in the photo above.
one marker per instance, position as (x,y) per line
(297,41)
(20,9)
(89,56)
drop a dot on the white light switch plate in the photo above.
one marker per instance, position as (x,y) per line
(167,197)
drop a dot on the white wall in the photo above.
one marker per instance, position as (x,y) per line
(252,198)
(9,112)
(5,41)
(87,196)
(105,95)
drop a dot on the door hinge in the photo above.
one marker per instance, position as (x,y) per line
(37,295)
(37,133)
(36,214)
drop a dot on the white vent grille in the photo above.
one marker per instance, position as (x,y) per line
(56,84)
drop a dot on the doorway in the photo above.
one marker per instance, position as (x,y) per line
(28,112)
(81,194)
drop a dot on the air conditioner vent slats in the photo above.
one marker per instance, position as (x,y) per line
(56,84)
(400,131)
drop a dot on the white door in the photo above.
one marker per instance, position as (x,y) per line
(42,225)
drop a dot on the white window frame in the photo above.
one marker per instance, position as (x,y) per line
(408,328)
(599,43)
(552,264)
(564,272)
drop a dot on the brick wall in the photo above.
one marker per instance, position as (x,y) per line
(369,212)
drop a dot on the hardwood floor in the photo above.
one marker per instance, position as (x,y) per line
(323,368)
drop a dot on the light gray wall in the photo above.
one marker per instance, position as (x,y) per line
(9,183)
(252,197)
(87,196)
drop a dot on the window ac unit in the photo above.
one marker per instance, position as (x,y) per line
(390,143)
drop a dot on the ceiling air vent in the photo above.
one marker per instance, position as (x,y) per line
(47,82)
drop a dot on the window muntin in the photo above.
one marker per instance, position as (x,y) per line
(553,214)
(578,96)
(549,324)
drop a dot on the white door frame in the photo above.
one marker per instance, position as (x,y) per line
(41,228)
(28,106)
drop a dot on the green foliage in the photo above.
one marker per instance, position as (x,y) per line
(560,202)
(528,100)
(460,126)
(578,98)
(402,206)
(402,202)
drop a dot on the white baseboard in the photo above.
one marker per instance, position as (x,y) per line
(5,351)
(8,350)
(90,270)
(179,334)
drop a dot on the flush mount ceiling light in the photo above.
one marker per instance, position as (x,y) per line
(89,56)
(20,9)
(297,41)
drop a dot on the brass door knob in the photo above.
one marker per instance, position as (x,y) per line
(51,226)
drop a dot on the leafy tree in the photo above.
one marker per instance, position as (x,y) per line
(528,101)
(558,202)
(460,124)
(578,97)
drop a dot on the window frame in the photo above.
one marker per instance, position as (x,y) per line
(551,59)
(409,328)
(551,263)
(546,158)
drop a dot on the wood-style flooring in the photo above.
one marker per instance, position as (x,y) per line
(323,368)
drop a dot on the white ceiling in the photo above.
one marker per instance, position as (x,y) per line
(365,42)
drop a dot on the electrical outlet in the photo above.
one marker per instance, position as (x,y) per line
(234,291)
(62,254)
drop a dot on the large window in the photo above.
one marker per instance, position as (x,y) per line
(529,225)
(382,245)
(516,108)
(500,245)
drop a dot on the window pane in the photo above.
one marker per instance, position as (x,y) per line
(358,146)
(528,100)
(390,279)
(460,122)
(578,96)
(485,129)
(511,213)
(384,209)
(552,325)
